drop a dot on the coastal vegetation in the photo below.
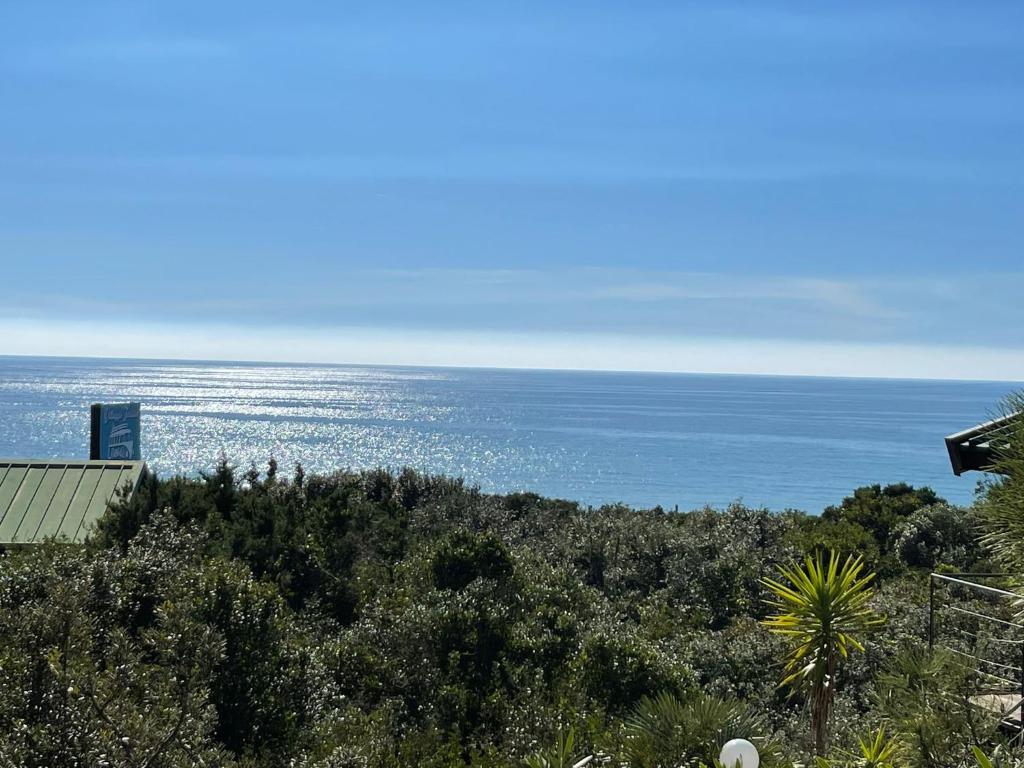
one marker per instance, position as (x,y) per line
(383,619)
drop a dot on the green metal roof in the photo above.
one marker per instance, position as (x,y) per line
(43,498)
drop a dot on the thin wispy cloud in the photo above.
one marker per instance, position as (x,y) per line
(448,287)
(627,302)
(510,350)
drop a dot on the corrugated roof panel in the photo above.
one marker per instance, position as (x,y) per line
(79,503)
(59,504)
(9,487)
(20,504)
(40,499)
(26,531)
(104,493)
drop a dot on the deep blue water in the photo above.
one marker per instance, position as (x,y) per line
(644,439)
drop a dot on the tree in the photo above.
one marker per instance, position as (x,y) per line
(939,534)
(879,510)
(1002,506)
(823,611)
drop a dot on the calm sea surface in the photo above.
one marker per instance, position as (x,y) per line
(644,439)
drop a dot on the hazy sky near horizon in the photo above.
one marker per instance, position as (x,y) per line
(781,187)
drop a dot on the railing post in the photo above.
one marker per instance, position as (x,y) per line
(931,611)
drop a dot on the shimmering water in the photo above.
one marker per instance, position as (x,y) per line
(644,439)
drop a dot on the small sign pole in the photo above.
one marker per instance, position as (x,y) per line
(95,414)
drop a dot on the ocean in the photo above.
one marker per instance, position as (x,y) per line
(675,440)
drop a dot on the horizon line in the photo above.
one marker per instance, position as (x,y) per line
(470,367)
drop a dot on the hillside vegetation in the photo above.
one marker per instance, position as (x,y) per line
(383,619)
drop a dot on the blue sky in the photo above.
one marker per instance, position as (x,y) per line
(757,186)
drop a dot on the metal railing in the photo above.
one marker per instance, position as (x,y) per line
(1006,672)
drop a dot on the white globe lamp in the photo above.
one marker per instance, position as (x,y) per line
(739,753)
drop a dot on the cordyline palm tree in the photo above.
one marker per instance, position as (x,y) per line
(823,611)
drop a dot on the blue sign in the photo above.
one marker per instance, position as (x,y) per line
(119,431)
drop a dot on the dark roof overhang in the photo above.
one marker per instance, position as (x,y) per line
(974,448)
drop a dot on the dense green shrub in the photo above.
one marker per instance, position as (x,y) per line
(939,534)
(380,620)
(927,696)
(880,510)
(665,730)
(811,535)
(104,661)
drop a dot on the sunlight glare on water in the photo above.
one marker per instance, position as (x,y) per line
(643,439)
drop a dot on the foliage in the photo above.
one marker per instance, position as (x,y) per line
(99,672)
(877,750)
(810,535)
(879,510)
(939,535)
(664,730)
(998,759)
(926,694)
(1001,506)
(823,611)
(380,619)
(562,755)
